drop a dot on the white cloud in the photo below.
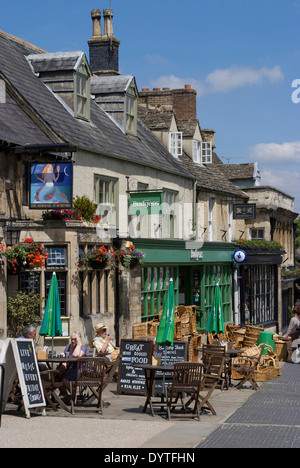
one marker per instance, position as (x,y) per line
(276,153)
(223,81)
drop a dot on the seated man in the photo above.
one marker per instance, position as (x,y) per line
(102,343)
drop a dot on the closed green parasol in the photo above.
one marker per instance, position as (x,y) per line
(215,323)
(165,332)
(51,325)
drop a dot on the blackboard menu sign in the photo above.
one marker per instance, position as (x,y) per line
(130,378)
(168,356)
(28,372)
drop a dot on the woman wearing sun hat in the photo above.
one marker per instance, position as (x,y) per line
(102,342)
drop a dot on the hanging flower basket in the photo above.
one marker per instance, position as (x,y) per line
(23,256)
(130,258)
(96,259)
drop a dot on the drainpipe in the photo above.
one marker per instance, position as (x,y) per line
(237,318)
(194,227)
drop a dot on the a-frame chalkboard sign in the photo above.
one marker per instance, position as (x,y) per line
(18,357)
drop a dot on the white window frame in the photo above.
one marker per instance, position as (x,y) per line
(106,198)
(82,94)
(206,152)
(170,215)
(175,144)
(196,152)
(131,111)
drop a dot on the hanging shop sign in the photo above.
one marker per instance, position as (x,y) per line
(145,203)
(51,185)
(239,256)
(244,211)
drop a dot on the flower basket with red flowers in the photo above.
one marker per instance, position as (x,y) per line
(96,259)
(130,257)
(26,255)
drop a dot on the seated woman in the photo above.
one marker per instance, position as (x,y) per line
(75,349)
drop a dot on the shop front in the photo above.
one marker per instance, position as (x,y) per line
(195,274)
(260,290)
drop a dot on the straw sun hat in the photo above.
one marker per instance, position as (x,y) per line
(100,326)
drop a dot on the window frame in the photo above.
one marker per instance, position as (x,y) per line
(112,198)
(82,98)
(176,148)
(130,112)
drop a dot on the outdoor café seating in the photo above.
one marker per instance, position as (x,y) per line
(212,357)
(88,385)
(186,383)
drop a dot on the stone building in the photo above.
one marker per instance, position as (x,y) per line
(49,117)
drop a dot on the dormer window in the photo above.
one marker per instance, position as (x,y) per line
(82,93)
(131,110)
(175,144)
(202,152)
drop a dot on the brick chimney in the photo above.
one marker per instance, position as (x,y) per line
(104,49)
(183,101)
(208,135)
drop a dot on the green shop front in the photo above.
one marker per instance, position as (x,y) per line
(195,274)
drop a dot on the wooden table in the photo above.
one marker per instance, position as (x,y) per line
(150,372)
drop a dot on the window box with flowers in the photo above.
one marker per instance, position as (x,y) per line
(96,259)
(26,255)
(259,246)
(84,210)
(130,257)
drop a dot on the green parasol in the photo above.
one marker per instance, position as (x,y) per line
(165,332)
(51,325)
(215,323)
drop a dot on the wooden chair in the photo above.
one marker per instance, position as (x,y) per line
(50,386)
(245,366)
(186,382)
(212,356)
(210,379)
(89,377)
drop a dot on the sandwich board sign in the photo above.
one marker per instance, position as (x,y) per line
(18,358)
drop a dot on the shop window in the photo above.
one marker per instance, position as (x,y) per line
(214,274)
(155,287)
(260,297)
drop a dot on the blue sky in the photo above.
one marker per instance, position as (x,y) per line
(241,57)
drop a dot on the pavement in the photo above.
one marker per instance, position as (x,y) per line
(268,417)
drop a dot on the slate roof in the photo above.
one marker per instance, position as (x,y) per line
(188,127)
(155,119)
(238,171)
(102,135)
(17,127)
(55,61)
(110,84)
(211,178)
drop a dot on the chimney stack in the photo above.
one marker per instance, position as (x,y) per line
(96,17)
(108,26)
(182,101)
(209,135)
(104,49)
